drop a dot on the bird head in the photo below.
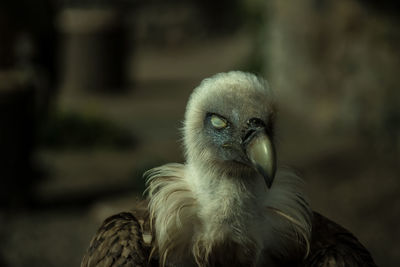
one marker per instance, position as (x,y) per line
(229,125)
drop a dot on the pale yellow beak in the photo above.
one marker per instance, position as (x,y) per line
(261,153)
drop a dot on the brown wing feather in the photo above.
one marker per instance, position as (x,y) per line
(332,245)
(118,242)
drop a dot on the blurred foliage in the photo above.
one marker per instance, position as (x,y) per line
(253,14)
(72,130)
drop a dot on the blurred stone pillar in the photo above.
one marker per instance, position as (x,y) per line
(93,53)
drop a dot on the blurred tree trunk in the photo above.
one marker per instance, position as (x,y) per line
(335,64)
(27,87)
(17,130)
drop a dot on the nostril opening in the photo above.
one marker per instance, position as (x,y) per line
(248,134)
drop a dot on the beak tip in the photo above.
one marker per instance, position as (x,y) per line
(268,177)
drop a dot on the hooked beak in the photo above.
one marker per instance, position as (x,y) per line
(261,153)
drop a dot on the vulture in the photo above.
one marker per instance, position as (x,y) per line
(228,204)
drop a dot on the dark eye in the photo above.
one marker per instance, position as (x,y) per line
(218,122)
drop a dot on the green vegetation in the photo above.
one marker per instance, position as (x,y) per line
(73,130)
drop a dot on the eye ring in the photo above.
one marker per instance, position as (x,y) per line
(217,122)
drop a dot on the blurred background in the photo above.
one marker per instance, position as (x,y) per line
(93,93)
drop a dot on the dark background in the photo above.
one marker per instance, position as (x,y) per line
(92,94)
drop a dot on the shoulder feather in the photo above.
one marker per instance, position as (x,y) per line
(118,242)
(333,245)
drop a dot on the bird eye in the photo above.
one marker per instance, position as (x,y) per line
(218,122)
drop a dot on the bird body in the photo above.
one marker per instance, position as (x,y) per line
(228,205)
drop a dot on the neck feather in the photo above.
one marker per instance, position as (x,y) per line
(196,210)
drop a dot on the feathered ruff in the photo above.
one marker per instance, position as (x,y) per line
(172,211)
(189,230)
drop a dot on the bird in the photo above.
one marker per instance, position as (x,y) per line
(229,203)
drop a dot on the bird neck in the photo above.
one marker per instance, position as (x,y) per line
(198,211)
(228,211)
(226,192)
(235,205)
